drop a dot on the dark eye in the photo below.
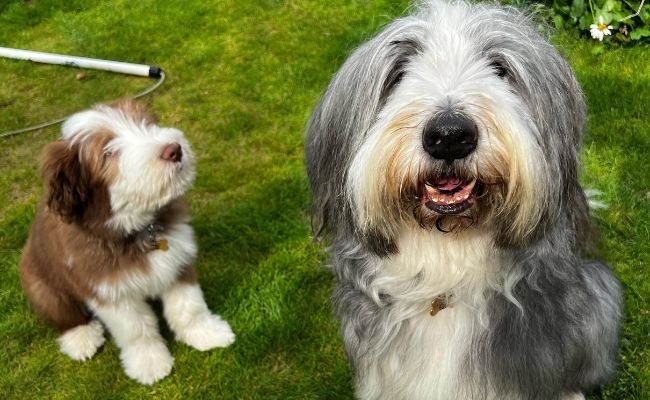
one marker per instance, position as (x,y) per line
(393,79)
(499,69)
(402,53)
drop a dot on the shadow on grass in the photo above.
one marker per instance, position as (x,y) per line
(260,270)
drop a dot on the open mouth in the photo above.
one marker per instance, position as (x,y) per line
(450,195)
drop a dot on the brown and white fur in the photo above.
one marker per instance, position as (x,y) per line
(111,232)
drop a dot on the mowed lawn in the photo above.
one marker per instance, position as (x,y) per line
(242,77)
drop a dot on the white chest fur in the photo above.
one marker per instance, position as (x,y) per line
(164,267)
(423,360)
(424,356)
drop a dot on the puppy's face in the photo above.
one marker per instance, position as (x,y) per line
(116,167)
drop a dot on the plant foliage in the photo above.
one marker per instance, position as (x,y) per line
(629,19)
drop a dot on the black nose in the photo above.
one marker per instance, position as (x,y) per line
(450,136)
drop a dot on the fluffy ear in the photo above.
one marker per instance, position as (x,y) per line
(67,182)
(342,118)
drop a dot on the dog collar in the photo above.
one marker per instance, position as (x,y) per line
(439,303)
(153,241)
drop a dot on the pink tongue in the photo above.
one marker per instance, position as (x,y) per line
(447,183)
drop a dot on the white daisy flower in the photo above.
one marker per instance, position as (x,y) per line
(599,30)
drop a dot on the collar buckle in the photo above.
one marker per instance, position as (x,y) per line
(154,242)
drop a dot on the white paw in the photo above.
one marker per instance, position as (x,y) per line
(206,332)
(81,342)
(147,360)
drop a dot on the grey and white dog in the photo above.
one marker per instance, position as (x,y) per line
(443,160)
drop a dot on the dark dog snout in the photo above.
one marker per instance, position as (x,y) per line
(450,136)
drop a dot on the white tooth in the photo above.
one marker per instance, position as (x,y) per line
(470,186)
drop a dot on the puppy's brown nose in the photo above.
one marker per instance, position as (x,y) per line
(172,152)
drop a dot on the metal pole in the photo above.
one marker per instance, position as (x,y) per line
(82,62)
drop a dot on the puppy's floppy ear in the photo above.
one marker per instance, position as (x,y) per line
(67,182)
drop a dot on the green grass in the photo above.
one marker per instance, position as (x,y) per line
(242,77)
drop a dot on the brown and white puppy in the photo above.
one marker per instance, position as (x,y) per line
(113,231)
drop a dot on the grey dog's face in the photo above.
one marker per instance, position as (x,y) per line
(455,117)
(476,123)
(444,148)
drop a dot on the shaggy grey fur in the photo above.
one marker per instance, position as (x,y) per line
(560,336)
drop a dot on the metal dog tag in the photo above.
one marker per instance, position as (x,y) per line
(161,244)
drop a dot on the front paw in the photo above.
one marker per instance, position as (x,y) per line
(206,332)
(147,361)
(81,342)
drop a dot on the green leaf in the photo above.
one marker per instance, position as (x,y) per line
(578,8)
(560,7)
(611,6)
(639,33)
(585,22)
